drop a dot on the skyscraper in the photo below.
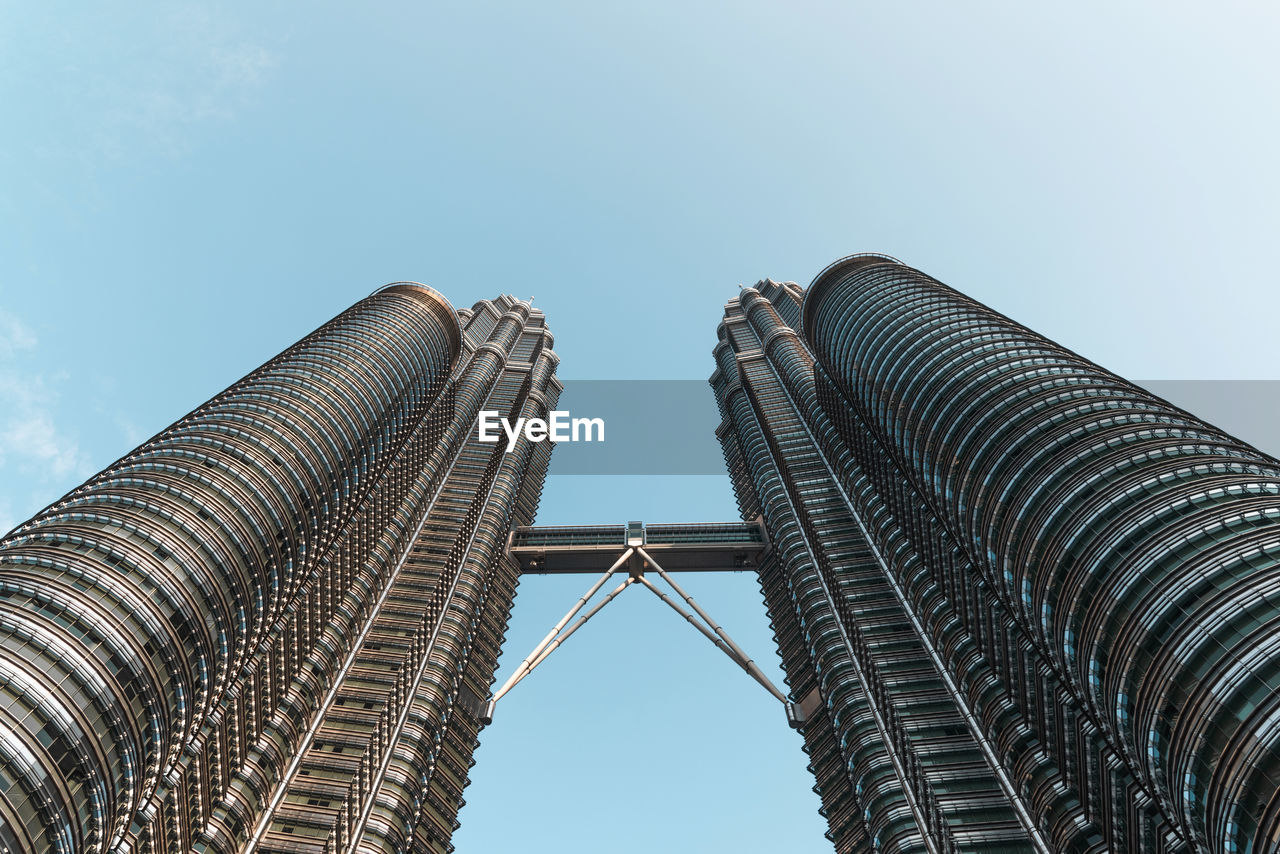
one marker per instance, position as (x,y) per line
(272,627)
(1023,604)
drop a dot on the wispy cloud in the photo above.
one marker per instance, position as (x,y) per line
(14,335)
(240,65)
(123,83)
(7,520)
(133,434)
(35,451)
(29,437)
(161,105)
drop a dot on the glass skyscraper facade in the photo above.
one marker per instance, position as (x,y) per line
(272,627)
(1023,604)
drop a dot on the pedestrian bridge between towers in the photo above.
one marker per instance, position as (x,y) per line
(717,547)
(633,551)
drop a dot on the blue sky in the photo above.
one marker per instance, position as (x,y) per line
(186,188)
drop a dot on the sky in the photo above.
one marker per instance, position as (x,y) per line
(188,187)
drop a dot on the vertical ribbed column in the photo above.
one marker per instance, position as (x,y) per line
(381,762)
(131,608)
(1136,547)
(863,795)
(914,771)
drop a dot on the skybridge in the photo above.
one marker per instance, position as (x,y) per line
(715,547)
(634,550)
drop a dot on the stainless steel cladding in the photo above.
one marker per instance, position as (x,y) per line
(1085,572)
(176,633)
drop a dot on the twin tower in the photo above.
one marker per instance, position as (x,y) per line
(1022,604)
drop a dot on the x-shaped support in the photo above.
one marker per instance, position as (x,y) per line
(702,622)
